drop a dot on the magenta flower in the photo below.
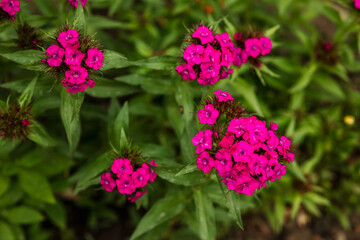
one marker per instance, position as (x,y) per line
(224,40)
(238,126)
(74,3)
(107,182)
(279,170)
(227,57)
(207,80)
(186,71)
(69,39)
(76,75)
(223,96)
(204,162)
(273,126)
(210,69)
(208,115)
(256,132)
(137,196)
(226,74)
(273,141)
(257,163)
(284,145)
(74,88)
(265,45)
(204,34)
(193,54)
(122,167)
(238,36)
(94,59)
(247,186)
(240,56)
(241,151)
(224,161)
(140,177)
(91,83)
(25,122)
(289,156)
(227,141)
(56,54)
(357,4)
(252,47)
(125,184)
(202,140)
(211,55)
(151,174)
(73,57)
(10,6)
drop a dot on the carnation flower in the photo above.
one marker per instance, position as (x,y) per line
(10,6)
(125,184)
(208,115)
(205,79)
(137,196)
(121,166)
(107,182)
(73,57)
(202,141)
(205,162)
(227,141)
(211,55)
(75,88)
(69,39)
(91,83)
(204,34)
(265,45)
(186,71)
(252,47)
(240,56)
(210,69)
(56,54)
(74,3)
(193,54)
(357,4)
(76,75)
(95,59)
(224,40)
(140,177)
(223,96)
(227,57)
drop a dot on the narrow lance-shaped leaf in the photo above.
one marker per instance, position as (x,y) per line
(233,203)
(78,20)
(205,216)
(24,215)
(305,78)
(39,135)
(121,123)
(25,97)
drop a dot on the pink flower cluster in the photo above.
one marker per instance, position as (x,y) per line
(10,6)
(208,57)
(244,152)
(74,3)
(76,70)
(252,48)
(129,180)
(357,4)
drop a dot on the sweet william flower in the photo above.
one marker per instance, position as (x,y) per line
(223,96)
(238,126)
(186,71)
(125,184)
(122,166)
(204,34)
(204,162)
(74,3)
(56,54)
(240,56)
(202,140)
(73,57)
(76,75)
(107,182)
(241,151)
(151,174)
(226,74)
(91,83)
(247,186)
(238,36)
(223,162)
(211,55)
(208,115)
(75,88)
(252,47)
(265,45)
(137,196)
(140,177)
(227,141)
(357,4)
(207,80)
(10,6)
(193,54)
(69,39)
(227,57)
(95,59)
(210,69)
(224,40)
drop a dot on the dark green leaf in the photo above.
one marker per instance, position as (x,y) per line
(39,135)
(24,215)
(5,231)
(25,97)
(57,214)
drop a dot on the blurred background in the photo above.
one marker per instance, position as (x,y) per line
(312,90)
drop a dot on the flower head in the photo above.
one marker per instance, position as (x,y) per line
(69,39)
(224,40)
(204,34)
(193,54)
(211,55)
(10,6)
(76,75)
(208,115)
(265,45)
(56,54)
(202,140)
(95,59)
(252,47)
(73,57)
(223,96)
(205,162)
(74,3)
(107,182)
(186,71)
(137,196)
(125,184)
(122,166)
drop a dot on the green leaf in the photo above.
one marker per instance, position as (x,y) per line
(166,63)
(24,57)
(90,171)
(205,216)
(114,6)
(121,122)
(78,20)
(115,60)
(36,185)
(316,198)
(162,211)
(233,203)
(53,163)
(39,135)
(46,103)
(296,171)
(269,32)
(311,207)
(106,88)
(258,73)
(305,78)
(191,167)
(57,214)
(4,184)
(170,174)
(5,231)
(25,97)
(70,115)
(184,98)
(296,206)
(24,215)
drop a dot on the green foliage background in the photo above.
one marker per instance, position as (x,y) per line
(46,179)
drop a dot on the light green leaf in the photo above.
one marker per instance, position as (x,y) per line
(305,78)
(4,184)
(121,122)
(36,185)
(24,215)
(166,63)
(269,32)
(70,115)
(163,210)
(191,167)
(6,232)
(106,88)
(39,135)
(25,97)
(114,6)
(296,171)
(205,216)
(78,21)
(24,57)
(115,60)
(233,203)
(296,205)
(170,174)
(258,73)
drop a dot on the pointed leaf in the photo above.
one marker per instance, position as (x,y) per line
(6,232)
(305,78)
(205,216)
(24,215)
(233,203)
(39,135)
(25,97)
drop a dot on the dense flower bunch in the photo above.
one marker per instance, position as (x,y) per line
(11,7)
(131,178)
(76,56)
(208,57)
(326,53)
(250,48)
(244,152)
(14,121)
(357,4)
(74,3)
